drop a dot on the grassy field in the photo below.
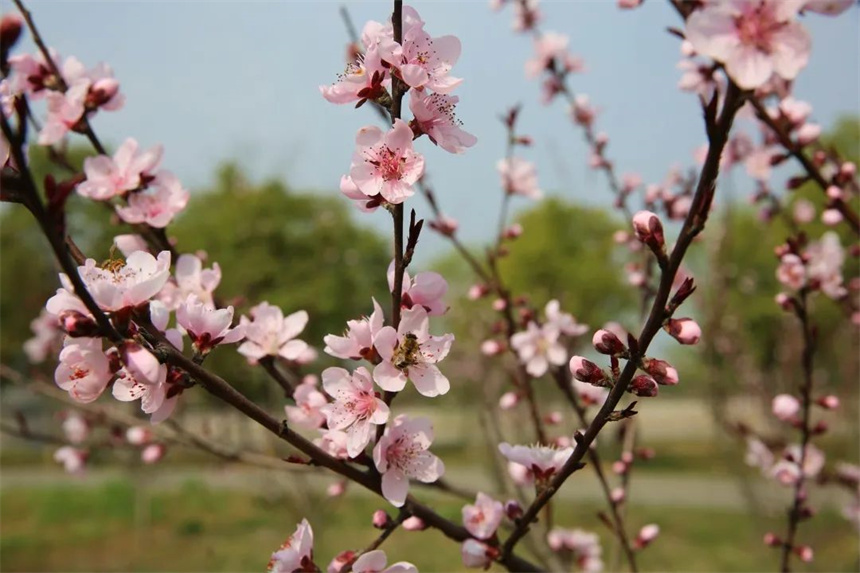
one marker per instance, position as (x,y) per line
(125,526)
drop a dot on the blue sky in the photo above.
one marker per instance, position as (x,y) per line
(239,80)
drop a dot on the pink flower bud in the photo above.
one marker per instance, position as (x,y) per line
(10,30)
(784,301)
(492,347)
(646,535)
(76,324)
(831,217)
(684,330)
(553,418)
(138,435)
(785,407)
(381,519)
(477,555)
(829,402)
(513,509)
(444,225)
(834,192)
(627,457)
(643,385)
(606,342)
(661,371)
(619,467)
(649,229)
(514,231)
(847,169)
(508,400)
(499,304)
(152,453)
(477,291)
(336,489)
(413,524)
(629,4)
(586,371)
(808,133)
(617,495)
(805,553)
(771,539)
(102,91)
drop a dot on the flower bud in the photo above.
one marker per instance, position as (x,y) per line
(606,342)
(805,553)
(514,231)
(381,520)
(513,509)
(831,217)
(152,453)
(785,407)
(587,371)
(834,192)
(500,304)
(684,330)
(617,495)
(10,30)
(619,467)
(492,347)
(829,402)
(646,535)
(102,91)
(508,400)
(644,386)
(808,133)
(784,301)
(649,229)
(477,291)
(476,554)
(414,524)
(553,418)
(661,371)
(336,489)
(444,225)
(77,324)
(771,539)
(138,435)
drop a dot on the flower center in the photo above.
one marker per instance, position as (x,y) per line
(390,164)
(757,27)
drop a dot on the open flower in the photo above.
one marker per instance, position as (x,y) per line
(542,461)
(424,289)
(519,177)
(157,205)
(483,518)
(356,407)
(385,163)
(190,278)
(754,39)
(84,370)
(411,352)
(308,411)
(401,453)
(270,333)
(357,341)
(426,61)
(434,115)
(562,321)
(297,552)
(73,460)
(538,347)
(207,327)
(110,176)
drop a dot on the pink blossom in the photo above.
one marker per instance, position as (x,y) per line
(270,333)
(364,78)
(434,115)
(357,342)
(339,561)
(698,78)
(629,4)
(476,554)
(804,211)
(684,330)
(526,15)
(75,427)
(138,435)
(785,407)
(759,162)
(831,217)
(127,244)
(758,455)
(65,110)
(444,225)
(190,278)
(336,489)
(145,379)
(753,38)
(791,271)
(152,453)
(483,519)
(826,258)
(519,177)
(413,524)
(412,352)
(509,400)
(584,113)
(375,562)
(808,133)
(647,534)
(308,411)
(813,462)
(401,453)
(385,163)
(31,75)
(583,546)
(538,347)
(157,205)
(207,327)
(564,322)
(84,370)
(551,49)
(425,289)
(296,554)
(333,442)
(46,337)
(364,203)
(426,62)
(356,408)
(606,341)
(73,459)
(128,169)
(796,111)
(542,461)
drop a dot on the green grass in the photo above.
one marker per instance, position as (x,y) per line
(121,527)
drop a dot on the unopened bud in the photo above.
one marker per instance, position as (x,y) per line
(784,301)
(617,495)
(661,371)
(477,291)
(831,217)
(795,182)
(152,453)
(834,192)
(848,169)
(785,407)
(820,428)
(514,231)
(646,535)
(513,509)
(646,453)
(336,489)
(77,324)
(508,400)
(619,467)
(492,347)
(805,553)
(414,524)
(606,342)
(829,402)
(808,133)
(643,385)
(688,287)
(381,520)
(771,539)
(553,418)
(10,30)
(500,304)
(684,330)
(102,91)
(587,371)
(649,229)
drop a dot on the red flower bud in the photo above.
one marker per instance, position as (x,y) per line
(606,342)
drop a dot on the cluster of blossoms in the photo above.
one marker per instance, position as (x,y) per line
(78,428)
(581,547)
(813,267)
(141,288)
(297,554)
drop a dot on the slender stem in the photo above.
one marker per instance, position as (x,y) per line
(796,511)
(718,132)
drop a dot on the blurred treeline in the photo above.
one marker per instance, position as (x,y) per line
(307,250)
